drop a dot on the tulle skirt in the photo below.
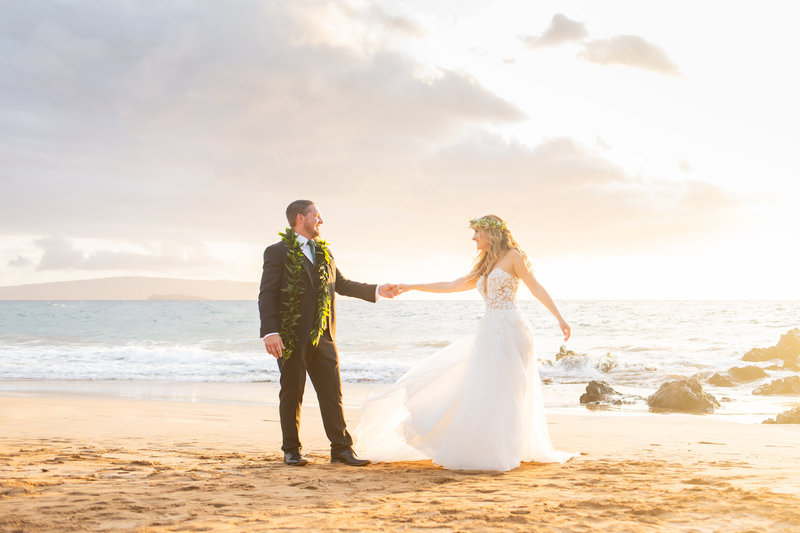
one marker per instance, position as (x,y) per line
(474,405)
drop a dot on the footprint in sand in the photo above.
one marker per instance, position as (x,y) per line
(705,482)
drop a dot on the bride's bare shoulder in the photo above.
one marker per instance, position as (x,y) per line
(515,262)
(514,256)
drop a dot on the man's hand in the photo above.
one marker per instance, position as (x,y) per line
(274,345)
(388,290)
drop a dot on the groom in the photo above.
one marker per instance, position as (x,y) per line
(296,304)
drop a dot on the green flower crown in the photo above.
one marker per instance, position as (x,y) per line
(486,223)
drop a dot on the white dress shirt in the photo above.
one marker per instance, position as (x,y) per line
(305,248)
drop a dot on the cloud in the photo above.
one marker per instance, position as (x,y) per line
(20,262)
(569,198)
(395,22)
(59,253)
(561,30)
(191,122)
(631,50)
(195,119)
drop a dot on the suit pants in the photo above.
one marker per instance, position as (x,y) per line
(322,365)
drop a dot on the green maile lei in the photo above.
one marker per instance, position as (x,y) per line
(294,288)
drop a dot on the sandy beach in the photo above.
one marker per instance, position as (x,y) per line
(202,457)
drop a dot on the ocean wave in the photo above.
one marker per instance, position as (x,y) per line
(177,362)
(145,362)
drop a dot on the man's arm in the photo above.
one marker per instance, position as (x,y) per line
(270,289)
(355,289)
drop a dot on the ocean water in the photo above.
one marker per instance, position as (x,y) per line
(644,342)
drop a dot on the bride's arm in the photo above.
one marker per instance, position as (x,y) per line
(524,272)
(464,283)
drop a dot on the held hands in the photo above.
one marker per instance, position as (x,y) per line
(388,290)
(274,345)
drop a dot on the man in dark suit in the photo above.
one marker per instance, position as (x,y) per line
(320,360)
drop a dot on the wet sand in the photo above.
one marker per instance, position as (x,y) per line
(206,457)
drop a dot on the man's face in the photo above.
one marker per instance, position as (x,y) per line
(310,222)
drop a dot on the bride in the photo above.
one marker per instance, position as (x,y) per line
(476,404)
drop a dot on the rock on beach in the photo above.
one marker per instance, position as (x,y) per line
(682,395)
(787,349)
(792,416)
(790,385)
(737,374)
(598,392)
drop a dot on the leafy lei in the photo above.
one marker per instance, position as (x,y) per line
(294,287)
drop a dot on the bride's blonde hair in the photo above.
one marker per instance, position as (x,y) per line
(500,242)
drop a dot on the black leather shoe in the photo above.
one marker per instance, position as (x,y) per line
(294,459)
(348,457)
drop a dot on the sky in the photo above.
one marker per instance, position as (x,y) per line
(637,150)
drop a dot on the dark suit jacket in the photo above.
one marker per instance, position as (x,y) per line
(271,297)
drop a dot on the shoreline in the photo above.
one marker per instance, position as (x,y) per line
(85,459)
(561,399)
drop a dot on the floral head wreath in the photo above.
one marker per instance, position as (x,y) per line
(486,223)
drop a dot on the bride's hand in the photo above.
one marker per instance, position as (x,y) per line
(565,329)
(403,287)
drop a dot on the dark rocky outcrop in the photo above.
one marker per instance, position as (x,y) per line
(790,385)
(787,349)
(721,380)
(746,374)
(785,366)
(789,344)
(791,366)
(682,395)
(599,394)
(735,375)
(758,355)
(563,352)
(792,416)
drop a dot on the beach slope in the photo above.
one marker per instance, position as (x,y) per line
(75,461)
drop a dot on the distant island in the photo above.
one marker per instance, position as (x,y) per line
(133,288)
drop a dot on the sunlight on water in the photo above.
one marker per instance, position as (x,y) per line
(633,345)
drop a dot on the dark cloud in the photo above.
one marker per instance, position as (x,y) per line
(630,50)
(562,29)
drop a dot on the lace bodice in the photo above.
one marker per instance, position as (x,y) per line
(499,289)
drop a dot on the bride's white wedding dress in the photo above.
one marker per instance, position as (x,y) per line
(474,405)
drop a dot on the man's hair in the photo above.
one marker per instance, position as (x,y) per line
(298,207)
